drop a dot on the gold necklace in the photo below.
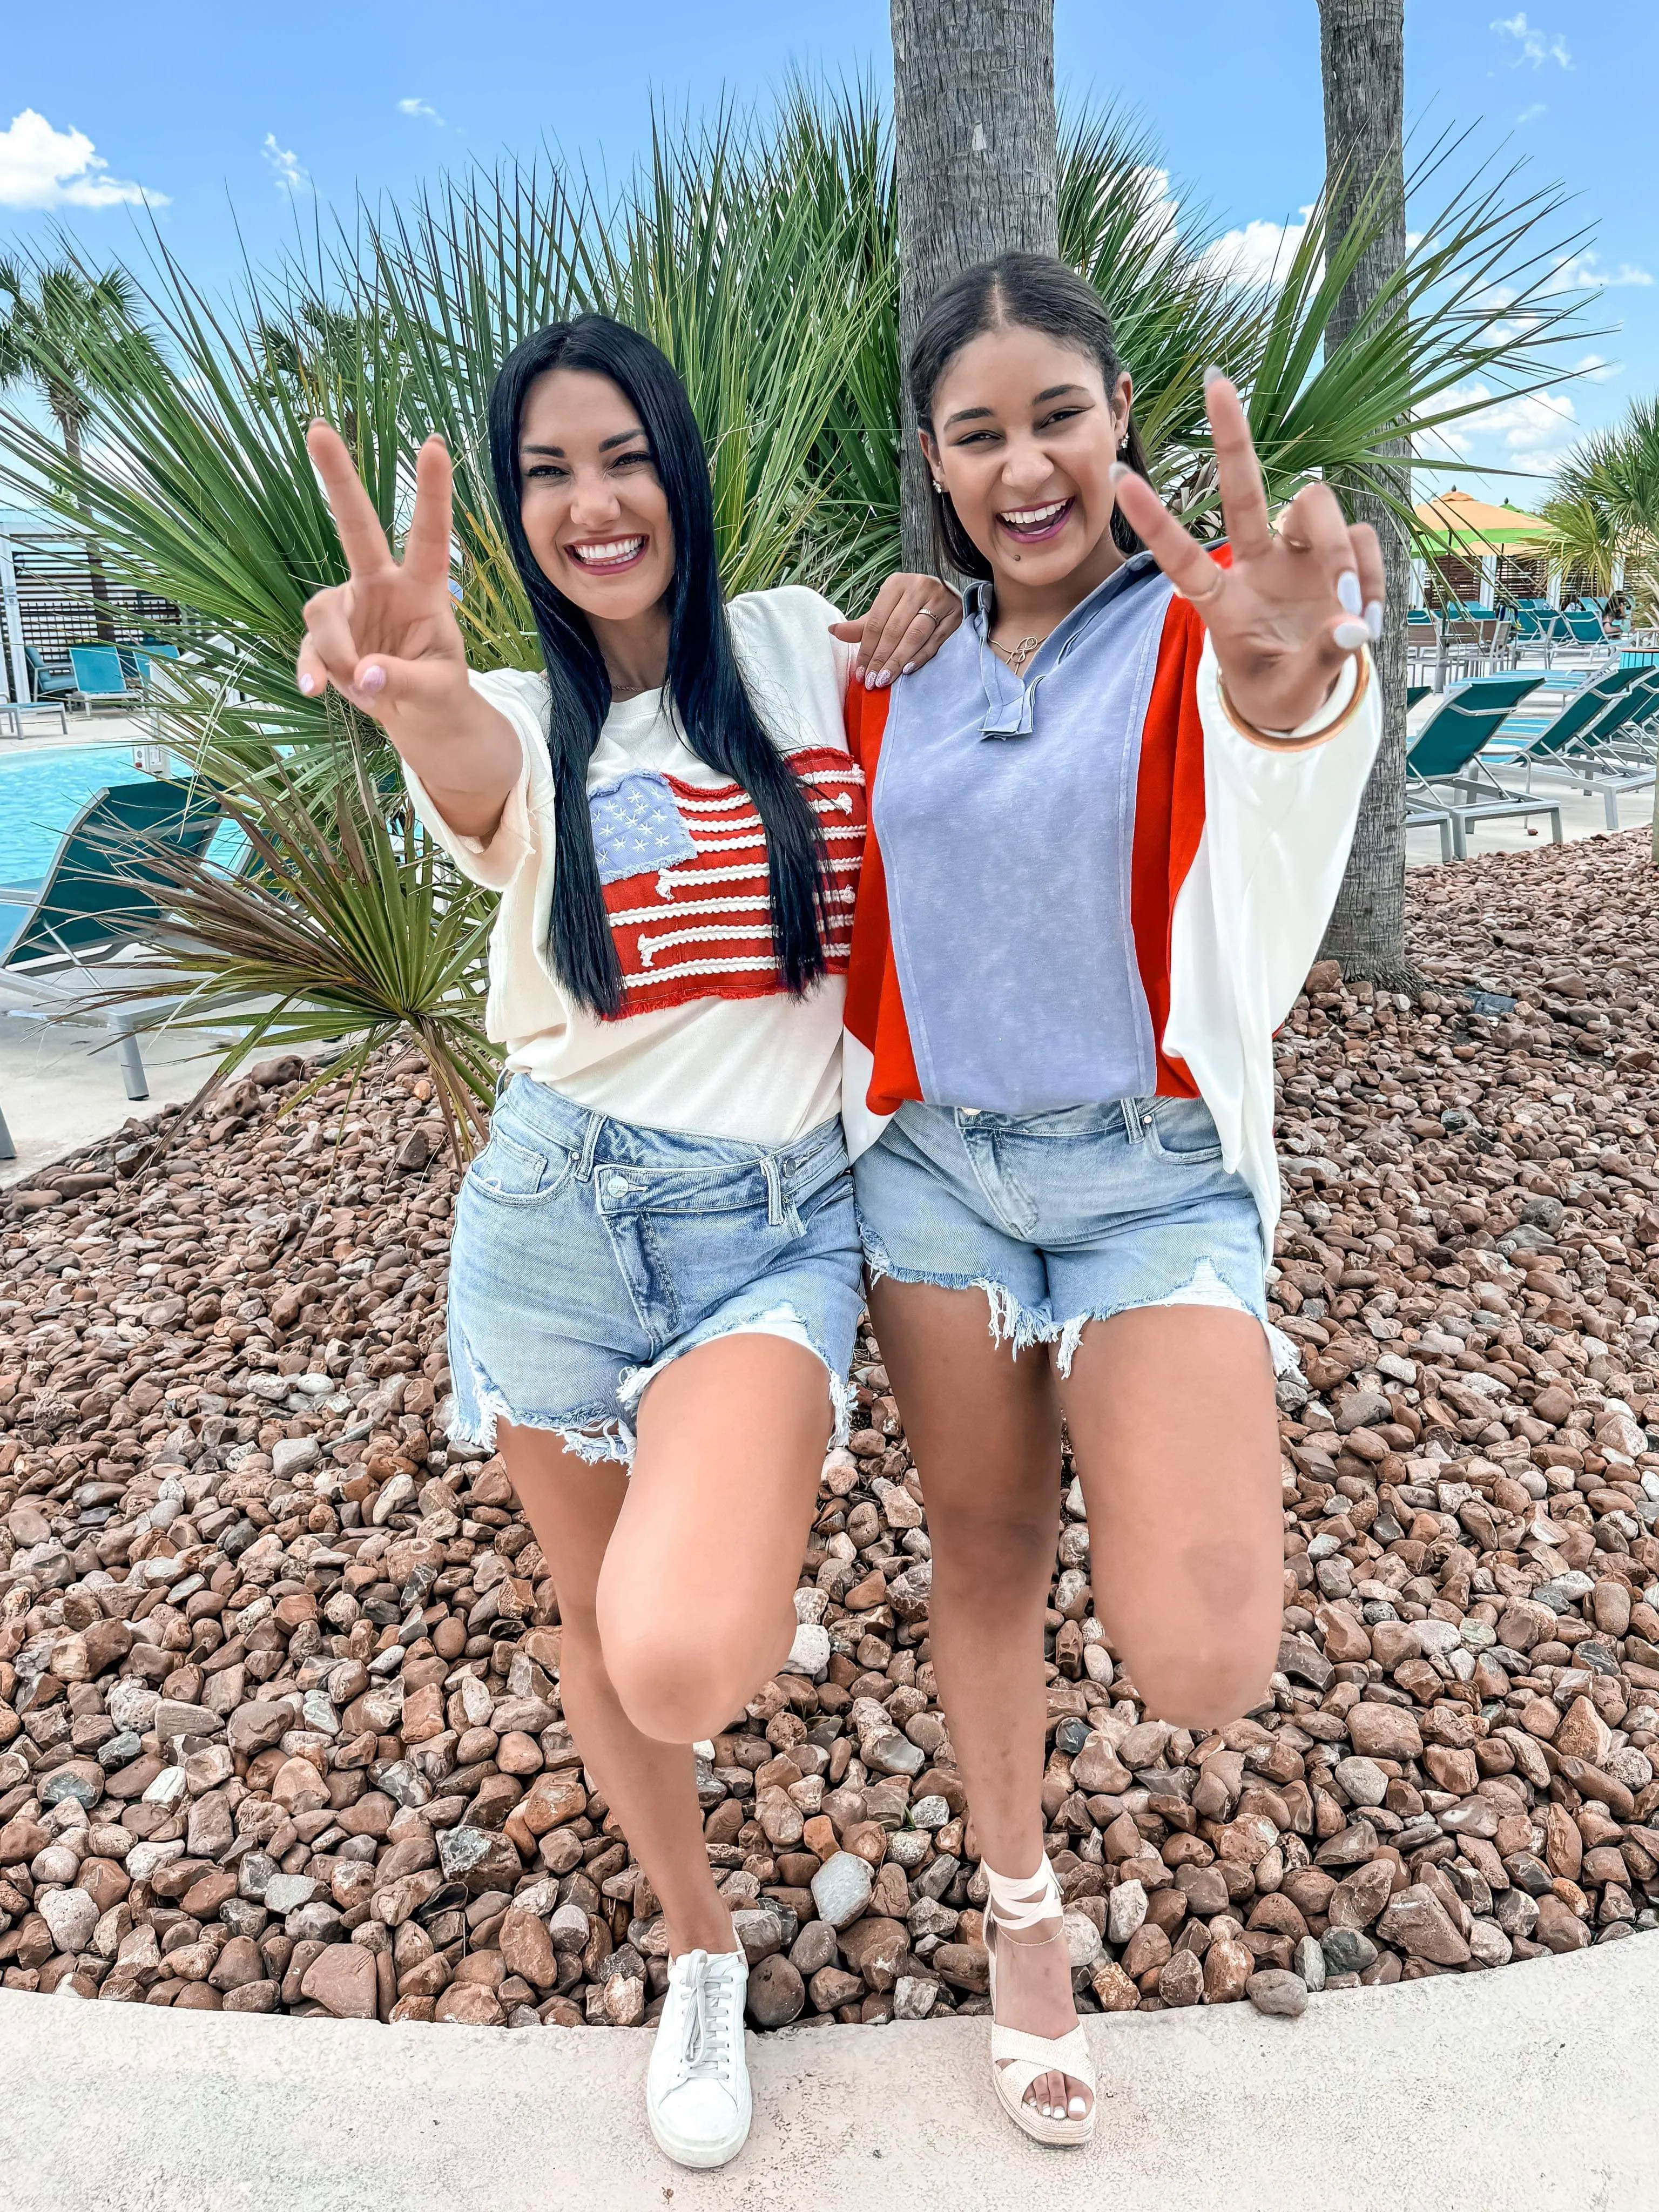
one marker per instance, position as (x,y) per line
(1017,655)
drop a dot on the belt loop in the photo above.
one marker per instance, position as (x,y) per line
(502,1083)
(590,1145)
(1134,1126)
(776,1214)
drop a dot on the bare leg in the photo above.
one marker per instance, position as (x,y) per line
(1183,1485)
(675,1587)
(572,1507)
(984,1426)
(695,1597)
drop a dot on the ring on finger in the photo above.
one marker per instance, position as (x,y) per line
(927,614)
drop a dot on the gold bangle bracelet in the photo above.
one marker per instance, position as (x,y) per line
(1270,744)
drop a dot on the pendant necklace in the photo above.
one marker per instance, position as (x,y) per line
(1017,655)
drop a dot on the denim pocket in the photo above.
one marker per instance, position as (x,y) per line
(516,1174)
(1182,1130)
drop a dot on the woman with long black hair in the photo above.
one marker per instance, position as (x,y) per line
(1108,823)
(654,1281)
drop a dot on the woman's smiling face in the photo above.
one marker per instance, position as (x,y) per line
(594,512)
(1024,437)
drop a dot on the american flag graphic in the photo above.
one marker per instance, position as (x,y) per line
(684,867)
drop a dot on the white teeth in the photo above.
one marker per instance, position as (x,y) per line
(608,556)
(1028,517)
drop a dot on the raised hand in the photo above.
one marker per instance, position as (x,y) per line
(1295,604)
(910,618)
(388,640)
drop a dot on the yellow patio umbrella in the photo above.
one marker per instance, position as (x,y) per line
(1458,522)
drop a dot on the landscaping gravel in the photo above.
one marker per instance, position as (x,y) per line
(280,1725)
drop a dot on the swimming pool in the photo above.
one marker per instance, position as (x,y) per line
(42,791)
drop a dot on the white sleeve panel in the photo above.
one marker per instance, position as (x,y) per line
(1250,915)
(525,831)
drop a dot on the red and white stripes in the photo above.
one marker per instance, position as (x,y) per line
(703,928)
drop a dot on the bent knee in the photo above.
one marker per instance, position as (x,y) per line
(671,1684)
(1192,1687)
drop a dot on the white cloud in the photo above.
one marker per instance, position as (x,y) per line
(1595,370)
(1531,115)
(40,168)
(1580,273)
(1536,46)
(1256,253)
(423,110)
(290,177)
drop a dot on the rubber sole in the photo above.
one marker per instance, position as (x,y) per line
(698,2155)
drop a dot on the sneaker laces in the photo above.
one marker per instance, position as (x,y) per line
(706,1988)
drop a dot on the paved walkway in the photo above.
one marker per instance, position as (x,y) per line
(1529,2089)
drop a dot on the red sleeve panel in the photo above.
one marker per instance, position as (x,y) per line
(875,1009)
(1169,821)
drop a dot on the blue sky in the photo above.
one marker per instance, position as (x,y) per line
(242,120)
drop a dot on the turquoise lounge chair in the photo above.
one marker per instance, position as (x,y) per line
(101,679)
(1439,775)
(102,896)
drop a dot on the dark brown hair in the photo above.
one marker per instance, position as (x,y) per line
(1026,291)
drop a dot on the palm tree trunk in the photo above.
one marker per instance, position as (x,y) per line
(1361,47)
(975,140)
(103,617)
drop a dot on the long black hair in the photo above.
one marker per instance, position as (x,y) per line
(1027,291)
(715,713)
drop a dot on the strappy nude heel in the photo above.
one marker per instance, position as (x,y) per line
(1018,2059)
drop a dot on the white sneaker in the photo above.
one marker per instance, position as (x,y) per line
(696,2086)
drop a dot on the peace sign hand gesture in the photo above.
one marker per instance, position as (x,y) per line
(1295,604)
(388,640)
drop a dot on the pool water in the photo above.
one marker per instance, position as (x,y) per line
(42,792)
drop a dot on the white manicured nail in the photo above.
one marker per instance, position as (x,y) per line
(1374,619)
(1348,593)
(372,680)
(1213,375)
(308,683)
(1351,635)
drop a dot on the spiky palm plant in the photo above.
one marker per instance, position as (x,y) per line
(1603,510)
(761,257)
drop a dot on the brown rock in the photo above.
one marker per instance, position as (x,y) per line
(1227,1967)
(342,1978)
(1356,1902)
(830,1987)
(877,1949)
(1583,1734)
(468,2005)
(527,1949)
(777,1994)
(1180,1980)
(1385,1732)
(1147,1947)
(1417,1922)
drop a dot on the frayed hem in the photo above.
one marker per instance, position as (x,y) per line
(591,1436)
(633,1383)
(1203,1287)
(1010,1323)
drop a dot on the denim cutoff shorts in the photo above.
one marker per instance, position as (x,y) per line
(589,1253)
(1064,1218)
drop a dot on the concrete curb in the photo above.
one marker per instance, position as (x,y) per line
(1531,2089)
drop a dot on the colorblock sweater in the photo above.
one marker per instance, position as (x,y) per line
(1084,882)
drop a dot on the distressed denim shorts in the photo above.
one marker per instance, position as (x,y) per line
(589,1253)
(1064,1218)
